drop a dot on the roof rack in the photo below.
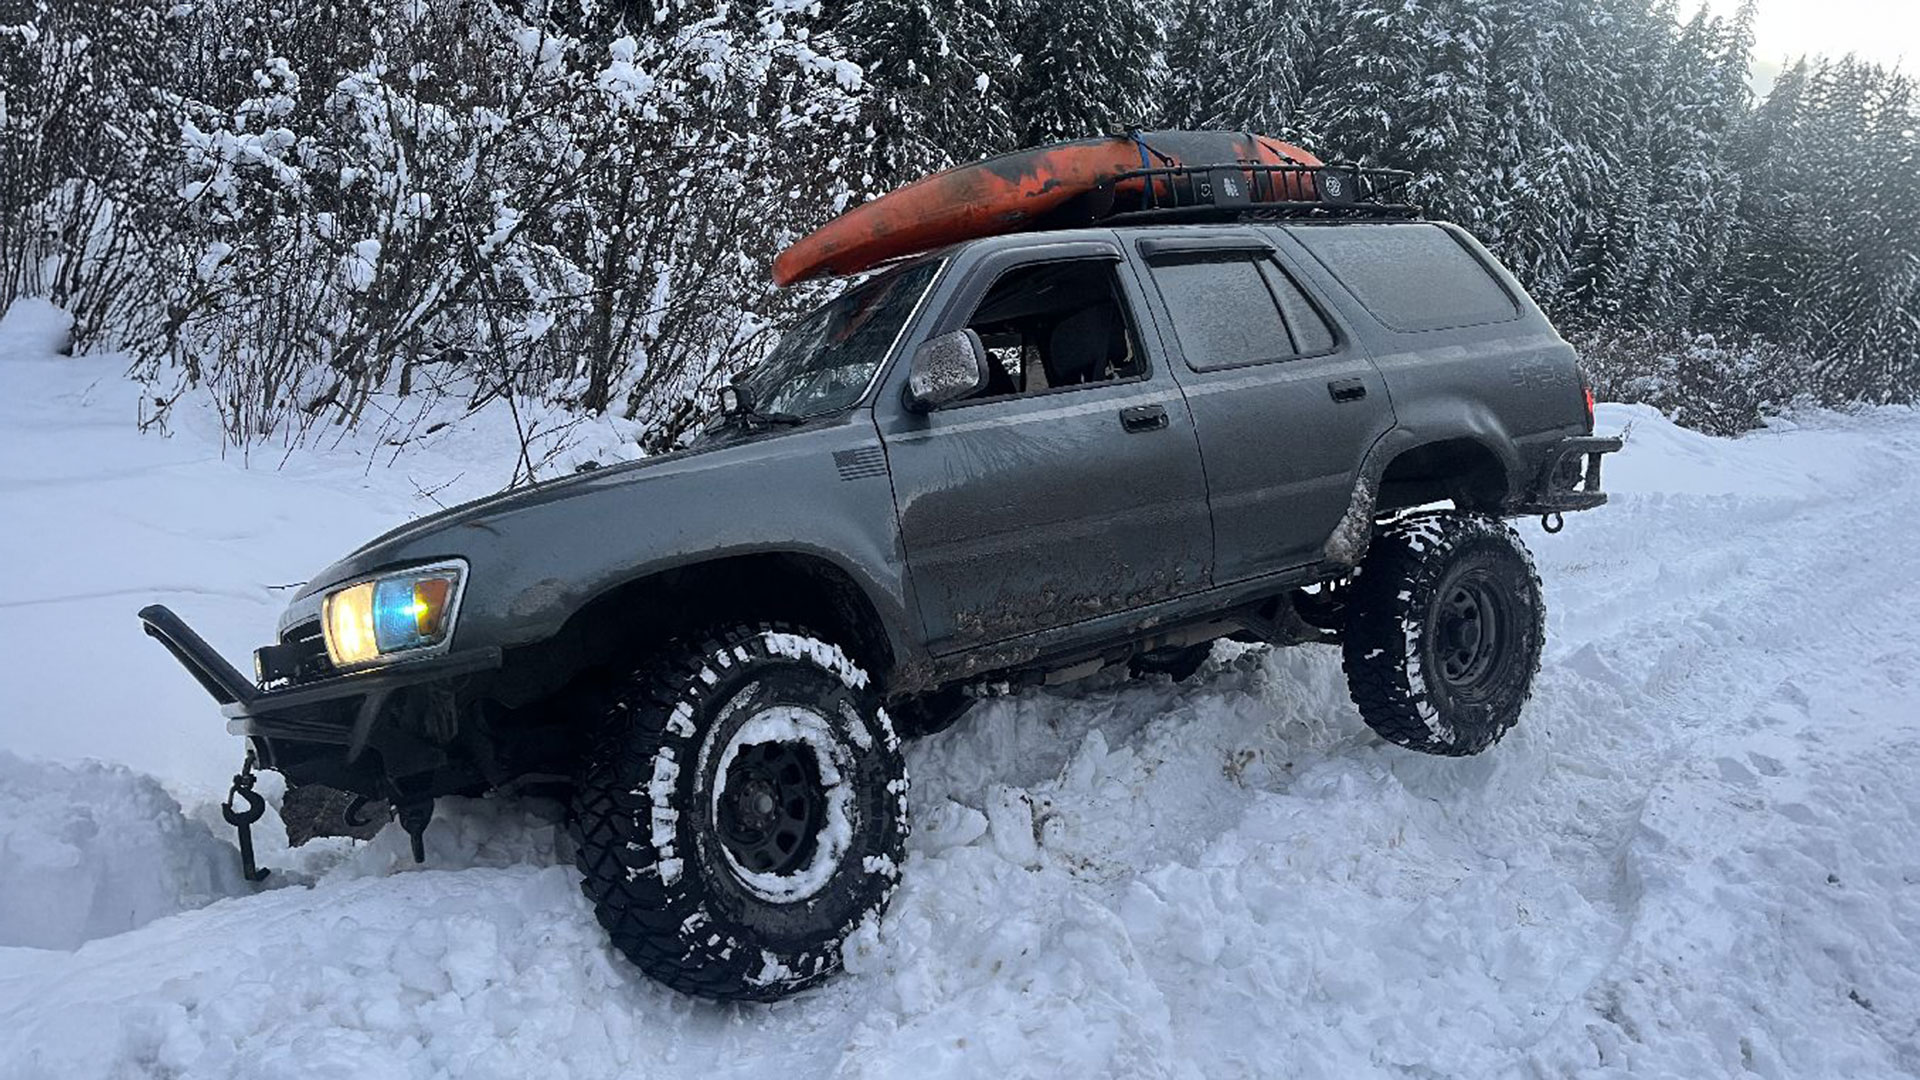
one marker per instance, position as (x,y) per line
(1258,192)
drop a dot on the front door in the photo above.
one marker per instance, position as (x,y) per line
(1068,489)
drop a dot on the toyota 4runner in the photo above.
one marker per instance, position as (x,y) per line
(1017,461)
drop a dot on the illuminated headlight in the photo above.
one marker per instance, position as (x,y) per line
(395,613)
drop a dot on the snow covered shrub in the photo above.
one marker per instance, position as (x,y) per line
(77,137)
(378,205)
(1697,380)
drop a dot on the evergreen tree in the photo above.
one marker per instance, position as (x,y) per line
(1235,68)
(1690,190)
(1087,67)
(936,76)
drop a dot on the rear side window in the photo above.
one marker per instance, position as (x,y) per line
(1233,308)
(1311,334)
(1411,277)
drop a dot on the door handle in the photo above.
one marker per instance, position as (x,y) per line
(1343,390)
(1144,418)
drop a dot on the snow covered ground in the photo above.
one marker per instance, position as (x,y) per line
(1697,856)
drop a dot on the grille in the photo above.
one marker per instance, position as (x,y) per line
(308,651)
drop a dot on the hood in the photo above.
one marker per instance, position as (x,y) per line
(435,536)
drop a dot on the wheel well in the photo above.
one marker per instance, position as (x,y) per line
(623,625)
(1462,470)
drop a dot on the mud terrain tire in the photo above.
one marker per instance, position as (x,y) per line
(743,811)
(1444,630)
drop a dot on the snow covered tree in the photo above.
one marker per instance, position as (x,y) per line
(1087,67)
(936,74)
(1235,68)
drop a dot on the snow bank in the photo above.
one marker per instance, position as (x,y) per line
(1667,459)
(34,327)
(88,851)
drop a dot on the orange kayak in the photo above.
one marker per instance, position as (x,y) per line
(1020,191)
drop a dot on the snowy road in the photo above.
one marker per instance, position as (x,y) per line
(1698,856)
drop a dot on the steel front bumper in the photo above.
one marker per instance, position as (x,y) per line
(339,710)
(1569,478)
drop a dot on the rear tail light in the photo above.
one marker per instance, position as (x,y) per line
(1587,392)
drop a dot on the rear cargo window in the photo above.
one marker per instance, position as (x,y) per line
(1227,310)
(1411,277)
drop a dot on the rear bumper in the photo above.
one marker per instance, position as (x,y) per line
(337,710)
(1569,477)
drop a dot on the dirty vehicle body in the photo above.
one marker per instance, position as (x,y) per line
(1023,460)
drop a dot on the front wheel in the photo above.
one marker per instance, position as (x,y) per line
(1444,630)
(744,810)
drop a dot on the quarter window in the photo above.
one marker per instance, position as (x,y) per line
(1412,276)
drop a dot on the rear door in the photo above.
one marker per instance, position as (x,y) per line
(1071,488)
(1464,348)
(1285,402)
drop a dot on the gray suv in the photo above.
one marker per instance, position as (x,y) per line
(1015,462)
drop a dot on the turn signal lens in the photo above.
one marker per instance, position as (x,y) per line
(392,614)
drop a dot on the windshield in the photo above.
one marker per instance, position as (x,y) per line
(825,360)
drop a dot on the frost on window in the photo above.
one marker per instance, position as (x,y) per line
(1411,276)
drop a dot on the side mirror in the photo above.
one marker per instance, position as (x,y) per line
(947,368)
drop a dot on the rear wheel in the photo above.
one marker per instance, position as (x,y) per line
(1445,624)
(744,810)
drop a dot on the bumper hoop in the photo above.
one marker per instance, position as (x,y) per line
(1569,479)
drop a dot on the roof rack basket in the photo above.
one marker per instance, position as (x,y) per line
(1259,192)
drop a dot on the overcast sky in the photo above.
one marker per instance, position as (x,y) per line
(1884,31)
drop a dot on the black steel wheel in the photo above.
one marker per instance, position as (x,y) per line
(1470,630)
(743,812)
(771,803)
(1445,625)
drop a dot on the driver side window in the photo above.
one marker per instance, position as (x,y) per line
(1049,326)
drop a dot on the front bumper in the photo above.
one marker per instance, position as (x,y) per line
(1569,478)
(337,710)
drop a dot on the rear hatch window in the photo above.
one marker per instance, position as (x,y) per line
(1412,276)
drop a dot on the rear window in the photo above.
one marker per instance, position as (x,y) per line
(1411,277)
(1233,308)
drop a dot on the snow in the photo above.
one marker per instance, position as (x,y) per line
(34,327)
(359,268)
(92,850)
(1697,855)
(622,80)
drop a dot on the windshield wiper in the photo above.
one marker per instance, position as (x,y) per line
(785,419)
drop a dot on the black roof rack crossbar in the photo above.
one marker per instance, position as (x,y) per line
(1262,192)
(1266,212)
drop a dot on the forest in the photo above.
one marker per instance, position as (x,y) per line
(314,213)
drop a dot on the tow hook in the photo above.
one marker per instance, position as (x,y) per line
(1553,523)
(242,820)
(414,813)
